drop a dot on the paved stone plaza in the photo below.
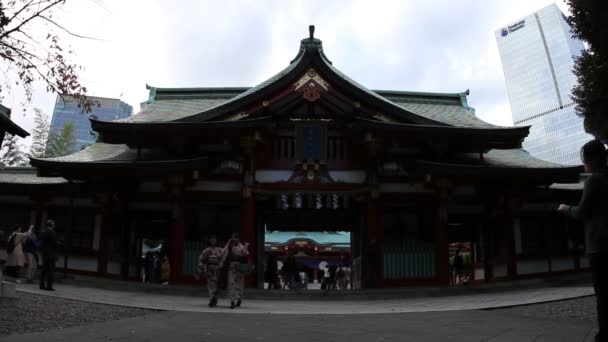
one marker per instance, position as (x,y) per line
(465,326)
(493,316)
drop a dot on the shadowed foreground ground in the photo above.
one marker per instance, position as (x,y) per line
(569,320)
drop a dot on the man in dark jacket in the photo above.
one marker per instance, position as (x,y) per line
(48,249)
(593,212)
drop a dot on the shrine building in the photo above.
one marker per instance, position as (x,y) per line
(407,174)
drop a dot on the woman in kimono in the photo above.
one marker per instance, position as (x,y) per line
(210,263)
(16,259)
(237,268)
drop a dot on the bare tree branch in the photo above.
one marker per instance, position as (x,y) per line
(66,30)
(35,15)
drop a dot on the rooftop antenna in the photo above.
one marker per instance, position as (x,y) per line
(311,30)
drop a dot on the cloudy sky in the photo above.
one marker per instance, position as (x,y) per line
(417,45)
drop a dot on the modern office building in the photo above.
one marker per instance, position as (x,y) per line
(104,109)
(537,54)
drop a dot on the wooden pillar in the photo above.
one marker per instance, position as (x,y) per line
(248,233)
(441,244)
(38,214)
(374,242)
(105,234)
(510,238)
(177,235)
(440,232)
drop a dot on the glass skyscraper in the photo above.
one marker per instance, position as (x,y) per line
(67,110)
(537,54)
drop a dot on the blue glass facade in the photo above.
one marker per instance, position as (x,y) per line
(537,54)
(67,110)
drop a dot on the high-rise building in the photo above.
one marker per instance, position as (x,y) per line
(67,110)
(537,54)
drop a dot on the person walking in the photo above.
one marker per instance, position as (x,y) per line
(591,210)
(237,268)
(30,248)
(48,249)
(290,270)
(341,277)
(16,257)
(271,273)
(210,263)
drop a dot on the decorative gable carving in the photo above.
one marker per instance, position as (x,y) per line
(311,85)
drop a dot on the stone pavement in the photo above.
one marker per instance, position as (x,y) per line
(456,326)
(471,301)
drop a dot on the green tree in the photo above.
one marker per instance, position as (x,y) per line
(31,57)
(63,143)
(588,21)
(40,134)
(12,153)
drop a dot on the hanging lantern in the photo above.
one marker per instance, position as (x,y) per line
(284,202)
(318,201)
(297,200)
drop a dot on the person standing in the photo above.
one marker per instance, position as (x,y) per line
(341,277)
(30,248)
(591,210)
(237,267)
(325,280)
(210,263)
(48,249)
(16,258)
(458,268)
(165,274)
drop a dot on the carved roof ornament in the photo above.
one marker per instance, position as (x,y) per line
(311,84)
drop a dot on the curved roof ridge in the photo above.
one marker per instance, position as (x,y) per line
(243,95)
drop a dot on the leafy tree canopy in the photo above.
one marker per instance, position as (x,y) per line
(63,143)
(589,23)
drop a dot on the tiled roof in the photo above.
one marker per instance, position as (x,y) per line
(111,153)
(517,158)
(97,152)
(447,112)
(171,110)
(201,104)
(451,114)
(512,158)
(27,176)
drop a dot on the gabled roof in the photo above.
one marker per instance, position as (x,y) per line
(498,163)
(9,126)
(193,105)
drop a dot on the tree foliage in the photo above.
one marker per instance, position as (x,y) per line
(589,23)
(37,58)
(12,153)
(63,143)
(40,134)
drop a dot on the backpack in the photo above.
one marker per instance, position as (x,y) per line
(11,243)
(341,273)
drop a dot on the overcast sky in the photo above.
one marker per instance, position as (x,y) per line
(416,45)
